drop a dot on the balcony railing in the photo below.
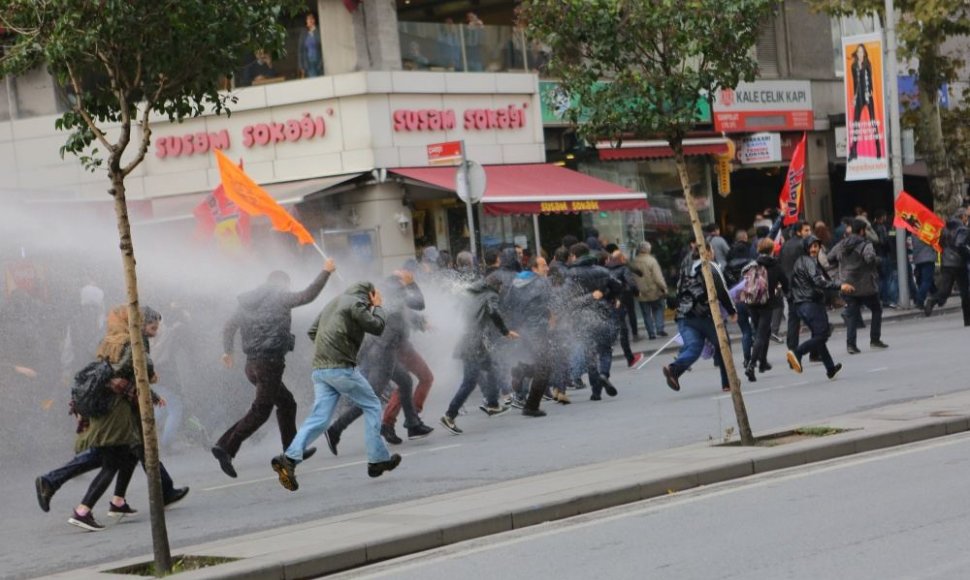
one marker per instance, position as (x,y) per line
(464,48)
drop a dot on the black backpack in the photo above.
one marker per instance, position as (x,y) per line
(90,395)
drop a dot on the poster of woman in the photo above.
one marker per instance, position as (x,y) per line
(865,110)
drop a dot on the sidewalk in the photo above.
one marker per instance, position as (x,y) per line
(339,543)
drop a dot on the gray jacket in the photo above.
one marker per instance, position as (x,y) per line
(922,252)
(339,330)
(858,264)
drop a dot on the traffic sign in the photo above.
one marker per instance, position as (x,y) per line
(470,182)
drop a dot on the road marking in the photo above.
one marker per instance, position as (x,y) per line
(326,468)
(764,390)
(876,370)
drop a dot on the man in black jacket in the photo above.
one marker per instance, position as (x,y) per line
(484,326)
(859,267)
(790,252)
(595,294)
(956,251)
(530,308)
(263,320)
(808,285)
(695,321)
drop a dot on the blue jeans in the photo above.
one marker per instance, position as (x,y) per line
(747,333)
(476,369)
(924,277)
(328,386)
(694,331)
(653,317)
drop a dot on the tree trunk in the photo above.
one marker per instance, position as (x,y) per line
(744,428)
(946,180)
(156,501)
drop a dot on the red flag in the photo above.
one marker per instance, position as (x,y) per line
(219,217)
(791,200)
(918,220)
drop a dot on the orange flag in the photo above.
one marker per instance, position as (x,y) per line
(253,199)
(920,221)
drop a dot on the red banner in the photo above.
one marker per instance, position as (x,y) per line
(791,200)
(219,217)
(918,220)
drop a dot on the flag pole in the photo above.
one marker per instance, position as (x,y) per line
(326,257)
(658,351)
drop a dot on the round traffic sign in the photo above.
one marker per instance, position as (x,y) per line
(470,182)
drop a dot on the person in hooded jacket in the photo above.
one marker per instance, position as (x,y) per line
(793,249)
(858,265)
(337,335)
(622,272)
(809,284)
(955,240)
(263,319)
(761,313)
(379,359)
(594,295)
(695,321)
(476,350)
(530,305)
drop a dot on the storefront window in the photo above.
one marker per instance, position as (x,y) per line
(507,230)
(302,57)
(450,46)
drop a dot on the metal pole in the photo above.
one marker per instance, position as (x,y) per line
(535,228)
(896,149)
(470,214)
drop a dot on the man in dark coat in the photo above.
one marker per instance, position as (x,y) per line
(953,262)
(858,265)
(530,307)
(263,319)
(790,252)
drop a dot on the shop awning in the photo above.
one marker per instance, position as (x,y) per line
(536,189)
(659,149)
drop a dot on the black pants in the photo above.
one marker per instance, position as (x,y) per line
(794,326)
(116,462)
(761,325)
(267,376)
(949,275)
(90,460)
(817,320)
(629,306)
(853,314)
(619,326)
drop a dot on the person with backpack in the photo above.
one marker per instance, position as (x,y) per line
(695,321)
(760,292)
(955,241)
(809,285)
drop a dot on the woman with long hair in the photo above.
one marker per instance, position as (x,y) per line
(862,98)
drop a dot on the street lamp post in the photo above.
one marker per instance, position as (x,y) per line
(896,148)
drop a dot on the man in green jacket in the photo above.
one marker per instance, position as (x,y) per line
(338,334)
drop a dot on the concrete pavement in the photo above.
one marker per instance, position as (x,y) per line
(329,545)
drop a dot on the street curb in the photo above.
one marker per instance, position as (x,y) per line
(558,495)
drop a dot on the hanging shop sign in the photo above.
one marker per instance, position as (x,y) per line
(764,106)
(759,148)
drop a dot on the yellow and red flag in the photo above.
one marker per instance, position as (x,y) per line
(790,200)
(918,219)
(253,199)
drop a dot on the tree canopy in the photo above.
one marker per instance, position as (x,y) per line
(658,58)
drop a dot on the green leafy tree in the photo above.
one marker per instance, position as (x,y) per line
(923,28)
(122,61)
(659,57)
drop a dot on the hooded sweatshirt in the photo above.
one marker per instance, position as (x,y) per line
(858,264)
(339,330)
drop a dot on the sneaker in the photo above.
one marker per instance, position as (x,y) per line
(308,452)
(561,397)
(333,438)
(225,461)
(378,469)
(45,491)
(793,362)
(835,370)
(633,362)
(86,522)
(609,388)
(928,308)
(449,424)
(777,338)
(493,411)
(419,432)
(122,510)
(285,468)
(178,494)
(672,381)
(878,344)
(507,401)
(517,402)
(764,367)
(578,385)
(389,435)
(595,397)
(852,349)
(533,412)
(548,396)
